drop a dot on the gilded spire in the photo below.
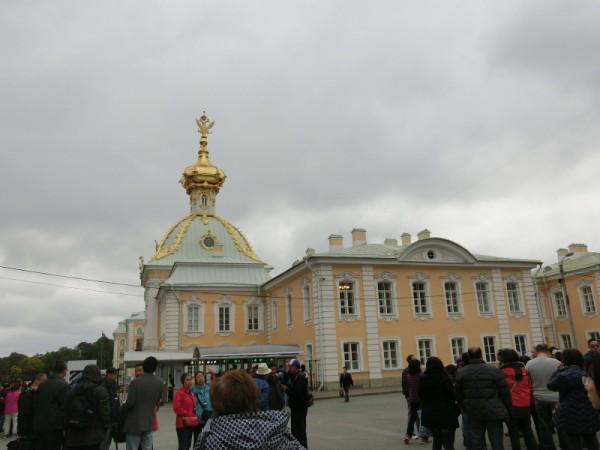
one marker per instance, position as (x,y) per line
(202,180)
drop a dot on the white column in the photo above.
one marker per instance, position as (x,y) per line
(151,328)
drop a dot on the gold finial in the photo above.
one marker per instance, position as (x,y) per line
(204,126)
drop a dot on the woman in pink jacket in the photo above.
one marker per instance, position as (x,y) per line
(12,409)
(184,405)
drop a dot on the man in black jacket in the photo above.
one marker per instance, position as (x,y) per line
(297,391)
(49,409)
(109,382)
(481,391)
(25,424)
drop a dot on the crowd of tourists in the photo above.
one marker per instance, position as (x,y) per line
(556,390)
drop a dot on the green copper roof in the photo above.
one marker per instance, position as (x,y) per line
(210,274)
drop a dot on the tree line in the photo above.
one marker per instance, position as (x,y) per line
(17,366)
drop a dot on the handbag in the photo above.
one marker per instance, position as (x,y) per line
(190,422)
(309,400)
(205,415)
(342,392)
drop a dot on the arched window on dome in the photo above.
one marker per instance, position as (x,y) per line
(204,200)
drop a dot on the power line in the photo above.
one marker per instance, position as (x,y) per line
(69,277)
(69,287)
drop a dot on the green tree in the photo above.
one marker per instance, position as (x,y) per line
(31,366)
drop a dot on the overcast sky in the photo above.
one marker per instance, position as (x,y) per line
(475,120)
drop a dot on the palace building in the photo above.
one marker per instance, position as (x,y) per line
(211,302)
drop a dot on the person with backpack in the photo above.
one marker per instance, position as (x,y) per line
(87,412)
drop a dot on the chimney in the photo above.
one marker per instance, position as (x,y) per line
(578,248)
(336,242)
(425,234)
(561,252)
(391,242)
(359,237)
(405,239)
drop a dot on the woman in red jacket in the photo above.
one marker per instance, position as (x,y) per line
(521,395)
(184,405)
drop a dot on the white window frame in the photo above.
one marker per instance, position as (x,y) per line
(306,300)
(193,303)
(390,353)
(351,348)
(566,340)
(425,348)
(274,313)
(386,299)
(256,305)
(488,355)
(484,280)
(342,279)
(513,297)
(524,337)
(453,348)
(224,302)
(423,299)
(289,313)
(559,303)
(593,334)
(587,298)
(452,296)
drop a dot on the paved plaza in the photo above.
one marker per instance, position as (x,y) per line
(372,419)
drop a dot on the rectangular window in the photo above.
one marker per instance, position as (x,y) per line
(458,347)
(351,355)
(514,302)
(587,296)
(193,318)
(274,314)
(594,335)
(390,354)
(451,294)
(483,297)
(306,300)
(253,317)
(347,302)
(224,319)
(489,348)
(420,298)
(566,341)
(425,349)
(520,343)
(384,293)
(288,309)
(559,304)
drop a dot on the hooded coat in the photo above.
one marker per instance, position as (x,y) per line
(439,410)
(263,430)
(96,432)
(575,412)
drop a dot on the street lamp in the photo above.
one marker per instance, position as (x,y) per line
(564,286)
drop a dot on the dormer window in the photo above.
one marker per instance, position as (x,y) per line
(204,200)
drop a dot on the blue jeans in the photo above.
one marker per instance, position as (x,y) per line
(466,431)
(142,441)
(494,430)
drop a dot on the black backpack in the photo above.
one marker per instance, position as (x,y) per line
(80,407)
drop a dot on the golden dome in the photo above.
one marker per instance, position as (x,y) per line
(203,176)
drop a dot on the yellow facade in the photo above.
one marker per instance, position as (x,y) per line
(570,299)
